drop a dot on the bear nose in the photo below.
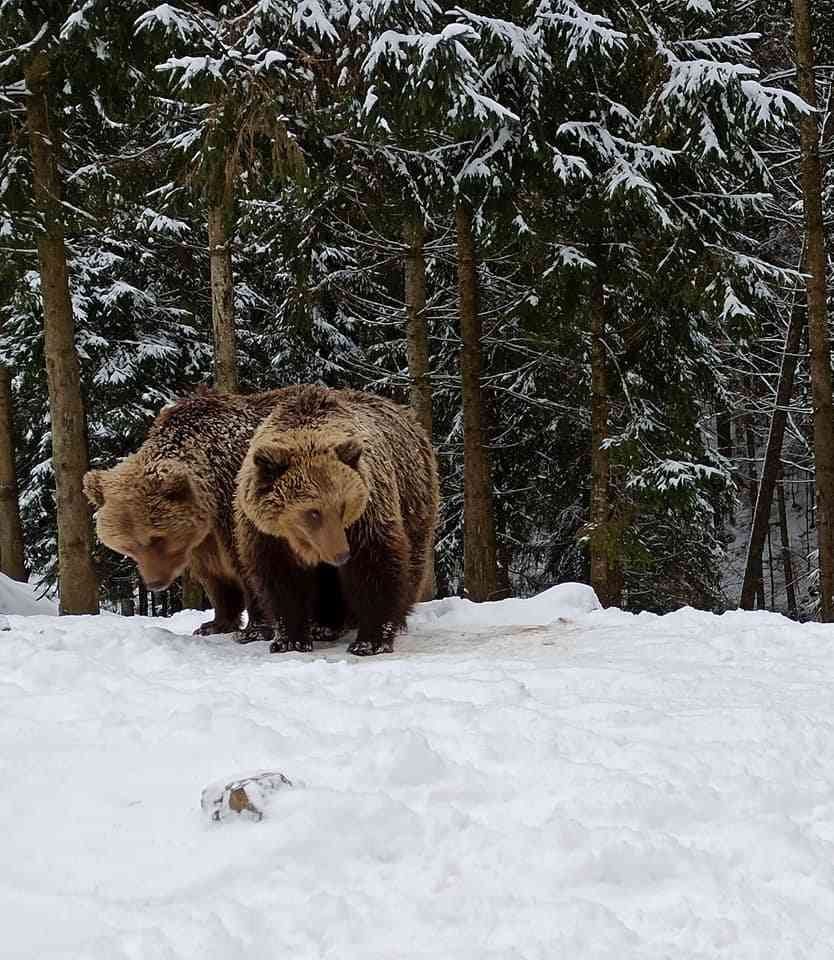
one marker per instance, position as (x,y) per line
(341,559)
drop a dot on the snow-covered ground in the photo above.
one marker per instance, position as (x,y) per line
(602,786)
(23,598)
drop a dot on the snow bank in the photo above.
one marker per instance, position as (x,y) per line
(565,601)
(21,599)
(619,786)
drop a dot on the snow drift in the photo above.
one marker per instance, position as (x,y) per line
(21,599)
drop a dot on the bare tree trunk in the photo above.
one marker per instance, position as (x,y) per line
(723,428)
(417,337)
(600,544)
(220,199)
(815,287)
(724,434)
(479,551)
(128,607)
(753,491)
(750,442)
(752,583)
(787,560)
(417,343)
(143,599)
(12,562)
(77,580)
(192,593)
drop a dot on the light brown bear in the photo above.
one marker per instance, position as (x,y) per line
(169,506)
(344,480)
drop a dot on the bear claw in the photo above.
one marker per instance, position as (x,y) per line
(256,632)
(369,648)
(210,628)
(284,645)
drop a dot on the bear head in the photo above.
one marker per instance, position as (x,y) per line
(150,512)
(307,490)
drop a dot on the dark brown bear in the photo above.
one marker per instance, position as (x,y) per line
(169,505)
(337,480)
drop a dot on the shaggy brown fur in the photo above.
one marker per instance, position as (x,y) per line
(337,479)
(169,505)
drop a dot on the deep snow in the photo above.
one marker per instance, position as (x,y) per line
(604,786)
(23,598)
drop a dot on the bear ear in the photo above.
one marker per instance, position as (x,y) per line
(349,452)
(176,487)
(94,487)
(271,463)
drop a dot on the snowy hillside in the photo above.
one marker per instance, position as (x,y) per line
(602,786)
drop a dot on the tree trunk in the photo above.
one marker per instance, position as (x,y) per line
(127,605)
(417,337)
(787,560)
(479,552)
(820,350)
(753,491)
(77,581)
(12,562)
(220,212)
(724,433)
(417,343)
(601,573)
(752,583)
(192,593)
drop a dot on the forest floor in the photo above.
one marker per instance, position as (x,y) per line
(530,779)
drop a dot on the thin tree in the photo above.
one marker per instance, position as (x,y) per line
(600,546)
(220,217)
(480,566)
(77,581)
(752,585)
(417,339)
(815,288)
(12,561)
(787,559)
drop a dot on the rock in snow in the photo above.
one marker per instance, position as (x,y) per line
(246,796)
(612,787)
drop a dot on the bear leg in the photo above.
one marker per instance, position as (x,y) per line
(291,594)
(227,599)
(377,581)
(369,646)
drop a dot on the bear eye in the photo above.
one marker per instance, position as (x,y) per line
(313,517)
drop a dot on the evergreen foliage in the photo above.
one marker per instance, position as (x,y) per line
(622,147)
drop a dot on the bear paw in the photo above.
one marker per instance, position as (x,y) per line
(380,641)
(325,634)
(211,628)
(282,644)
(370,648)
(264,632)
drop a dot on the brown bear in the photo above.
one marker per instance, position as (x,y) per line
(337,480)
(169,506)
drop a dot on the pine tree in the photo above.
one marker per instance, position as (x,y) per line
(12,561)
(78,586)
(816,293)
